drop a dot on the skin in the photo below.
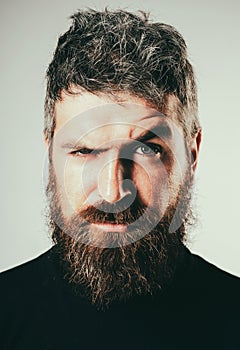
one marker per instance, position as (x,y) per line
(96,155)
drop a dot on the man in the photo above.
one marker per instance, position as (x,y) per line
(123,140)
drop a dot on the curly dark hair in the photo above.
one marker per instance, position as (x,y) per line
(118,51)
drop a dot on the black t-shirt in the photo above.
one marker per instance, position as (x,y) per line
(40,310)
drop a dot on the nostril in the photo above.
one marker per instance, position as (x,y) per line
(128,187)
(127,195)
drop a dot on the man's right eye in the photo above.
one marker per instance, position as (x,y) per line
(82,152)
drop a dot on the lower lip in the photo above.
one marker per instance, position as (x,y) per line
(111,227)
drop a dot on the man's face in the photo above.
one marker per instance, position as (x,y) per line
(119,169)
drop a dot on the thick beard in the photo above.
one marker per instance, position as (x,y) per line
(139,263)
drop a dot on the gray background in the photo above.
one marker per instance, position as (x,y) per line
(29,31)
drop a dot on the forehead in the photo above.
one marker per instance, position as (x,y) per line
(80,113)
(123,107)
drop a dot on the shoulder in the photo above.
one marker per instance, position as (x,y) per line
(201,283)
(27,266)
(211,275)
(28,276)
(201,272)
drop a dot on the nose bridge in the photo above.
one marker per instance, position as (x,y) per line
(111,178)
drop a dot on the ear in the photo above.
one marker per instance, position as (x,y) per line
(195,147)
(46,140)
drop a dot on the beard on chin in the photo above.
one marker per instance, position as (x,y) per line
(105,267)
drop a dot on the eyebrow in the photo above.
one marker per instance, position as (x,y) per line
(74,144)
(159,131)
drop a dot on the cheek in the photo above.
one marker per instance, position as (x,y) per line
(75,184)
(152,183)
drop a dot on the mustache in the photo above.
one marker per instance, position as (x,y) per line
(116,213)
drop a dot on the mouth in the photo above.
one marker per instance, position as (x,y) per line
(111,227)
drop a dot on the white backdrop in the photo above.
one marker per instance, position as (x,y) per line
(29,31)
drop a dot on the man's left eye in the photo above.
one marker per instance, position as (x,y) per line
(149,150)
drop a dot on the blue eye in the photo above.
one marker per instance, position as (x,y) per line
(149,150)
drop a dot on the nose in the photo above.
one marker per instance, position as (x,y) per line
(111,183)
